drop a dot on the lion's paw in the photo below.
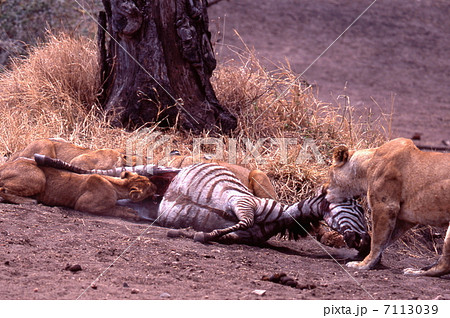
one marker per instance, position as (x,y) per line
(353,264)
(357,265)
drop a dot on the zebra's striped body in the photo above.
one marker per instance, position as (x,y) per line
(210,199)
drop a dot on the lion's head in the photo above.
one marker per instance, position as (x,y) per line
(140,187)
(347,178)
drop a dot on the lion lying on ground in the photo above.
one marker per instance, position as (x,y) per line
(22,181)
(404,187)
(80,157)
(88,159)
(255,180)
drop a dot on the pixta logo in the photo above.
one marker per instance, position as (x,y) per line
(144,145)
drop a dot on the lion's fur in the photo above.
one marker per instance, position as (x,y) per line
(404,187)
(80,157)
(22,181)
(255,180)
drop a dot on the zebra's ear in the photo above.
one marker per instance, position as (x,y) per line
(340,156)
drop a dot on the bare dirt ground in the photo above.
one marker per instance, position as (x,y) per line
(398,47)
(135,261)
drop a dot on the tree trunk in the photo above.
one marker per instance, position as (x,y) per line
(156,64)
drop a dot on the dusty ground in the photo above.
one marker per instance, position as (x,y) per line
(135,261)
(398,47)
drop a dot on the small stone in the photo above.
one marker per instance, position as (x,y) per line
(285,279)
(36,290)
(259,292)
(93,286)
(125,285)
(165,295)
(135,291)
(306,286)
(73,268)
(276,277)
(7,263)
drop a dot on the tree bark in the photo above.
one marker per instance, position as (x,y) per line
(156,65)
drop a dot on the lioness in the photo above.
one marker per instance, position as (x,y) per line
(255,180)
(404,187)
(80,157)
(22,181)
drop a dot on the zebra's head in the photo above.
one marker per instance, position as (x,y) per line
(348,219)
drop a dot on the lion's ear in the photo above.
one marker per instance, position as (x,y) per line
(340,156)
(125,175)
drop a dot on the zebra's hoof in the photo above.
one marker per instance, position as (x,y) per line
(200,237)
(173,233)
(413,272)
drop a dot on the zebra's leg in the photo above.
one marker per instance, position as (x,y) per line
(244,210)
(442,267)
(172,233)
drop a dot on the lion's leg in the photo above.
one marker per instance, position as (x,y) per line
(43,147)
(122,212)
(384,223)
(15,199)
(99,197)
(442,267)
(20,180)
(400,228)
(89,203)
(259,183)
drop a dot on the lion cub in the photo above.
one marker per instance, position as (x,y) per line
(22,181)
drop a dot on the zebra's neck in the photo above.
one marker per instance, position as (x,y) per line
(314,208)
(311,209)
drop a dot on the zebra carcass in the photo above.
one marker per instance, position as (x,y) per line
(212,201)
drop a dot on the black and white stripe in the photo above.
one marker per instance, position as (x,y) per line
(210,199)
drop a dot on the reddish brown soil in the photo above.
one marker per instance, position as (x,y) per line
(398,47)
(137,261)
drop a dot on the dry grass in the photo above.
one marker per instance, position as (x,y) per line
(277,104)
(52,93)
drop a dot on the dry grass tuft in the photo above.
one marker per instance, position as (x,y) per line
(277,104)
(50,93)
